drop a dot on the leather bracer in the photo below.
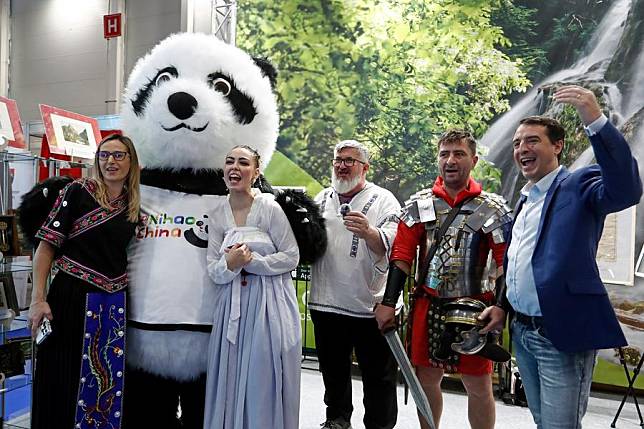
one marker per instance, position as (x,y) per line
(395,284)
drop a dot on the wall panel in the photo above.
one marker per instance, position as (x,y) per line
(59,56)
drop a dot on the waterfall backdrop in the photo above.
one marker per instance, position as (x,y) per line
(612,65)
(396,74)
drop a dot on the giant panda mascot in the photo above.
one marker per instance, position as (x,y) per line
(186,104)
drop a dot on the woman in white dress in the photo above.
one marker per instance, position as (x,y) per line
(255,345)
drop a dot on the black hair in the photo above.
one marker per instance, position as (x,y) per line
(451,136)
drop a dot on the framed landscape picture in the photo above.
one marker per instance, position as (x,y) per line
(616,251)
(10,126)
(70,133)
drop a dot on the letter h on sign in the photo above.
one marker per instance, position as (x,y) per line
(112,25)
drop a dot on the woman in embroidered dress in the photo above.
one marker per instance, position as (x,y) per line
(78,379)
(255,347)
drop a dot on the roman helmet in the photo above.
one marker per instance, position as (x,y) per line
(461,318)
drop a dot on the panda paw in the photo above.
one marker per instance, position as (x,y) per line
(306,222)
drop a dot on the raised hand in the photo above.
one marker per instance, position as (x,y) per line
(582,99)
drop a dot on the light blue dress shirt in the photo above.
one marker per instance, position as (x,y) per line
(521,289)
(522,292)
(594,127)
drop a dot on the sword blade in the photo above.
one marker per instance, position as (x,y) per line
(397,349)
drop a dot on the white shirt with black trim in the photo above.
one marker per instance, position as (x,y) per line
(349,279)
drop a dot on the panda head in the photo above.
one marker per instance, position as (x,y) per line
(194,97)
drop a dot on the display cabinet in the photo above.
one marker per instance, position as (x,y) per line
(15,353)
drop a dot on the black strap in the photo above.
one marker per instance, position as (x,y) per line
(439,237)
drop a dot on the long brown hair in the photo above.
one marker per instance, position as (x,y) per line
(132,181)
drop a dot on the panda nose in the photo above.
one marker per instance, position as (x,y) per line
(182,105)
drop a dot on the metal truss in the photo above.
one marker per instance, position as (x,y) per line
(224,20)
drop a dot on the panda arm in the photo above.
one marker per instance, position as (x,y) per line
(215,258)
(286,257)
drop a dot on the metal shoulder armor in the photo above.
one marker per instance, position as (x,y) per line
(490,214)
(418,208)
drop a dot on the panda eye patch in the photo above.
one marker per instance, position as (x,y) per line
(163,77)
(221,85)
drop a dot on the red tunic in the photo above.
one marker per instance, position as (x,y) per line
(404,249)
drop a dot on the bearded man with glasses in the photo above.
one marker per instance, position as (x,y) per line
(346,283)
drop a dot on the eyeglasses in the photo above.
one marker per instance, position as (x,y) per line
(349,162)
(118,155)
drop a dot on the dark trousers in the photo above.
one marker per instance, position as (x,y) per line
(151,401)
(336,336)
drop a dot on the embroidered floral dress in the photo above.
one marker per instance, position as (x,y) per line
(78,381)
(255,347)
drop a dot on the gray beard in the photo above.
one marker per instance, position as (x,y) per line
(342,186)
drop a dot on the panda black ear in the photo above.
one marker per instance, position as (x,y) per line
(267,70)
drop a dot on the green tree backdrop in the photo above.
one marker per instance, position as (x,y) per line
(393,74)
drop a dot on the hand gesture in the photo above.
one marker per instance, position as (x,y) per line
(237,256)
(386,317)
(582,99)
(357,223)
(37,311)
(494,319)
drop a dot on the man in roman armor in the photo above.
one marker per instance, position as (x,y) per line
(460,233)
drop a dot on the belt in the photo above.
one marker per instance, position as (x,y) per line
(535,322)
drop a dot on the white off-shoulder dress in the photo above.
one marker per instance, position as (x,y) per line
(255,345)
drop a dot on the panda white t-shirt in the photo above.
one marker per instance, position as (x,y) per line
(168,258)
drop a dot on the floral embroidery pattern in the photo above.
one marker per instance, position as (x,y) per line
(53,237)
(90,185)
(45,232)
(100,390)
(79,271)
(57,204)
(97,217)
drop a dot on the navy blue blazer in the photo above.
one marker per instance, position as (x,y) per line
(576,310)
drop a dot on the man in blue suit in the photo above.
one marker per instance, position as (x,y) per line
(562,314)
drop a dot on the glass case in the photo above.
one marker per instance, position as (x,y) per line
(15,390)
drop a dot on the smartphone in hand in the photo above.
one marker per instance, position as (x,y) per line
(43,331)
